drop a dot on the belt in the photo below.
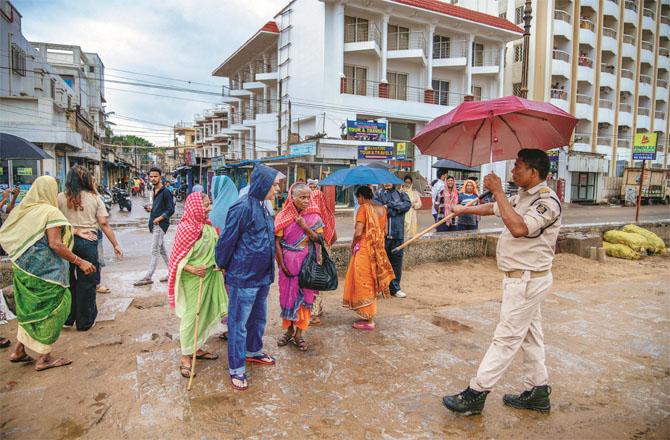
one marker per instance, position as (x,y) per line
(533,273)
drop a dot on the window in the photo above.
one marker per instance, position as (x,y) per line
(91,69)
(516,89)
(355,29)
(53,89)
(69,80)
(518,15)
(518,53)
(18,60)
(441,89)
(477,54)
(398,37)
(441,47)
(477,93)
(356,80)
(397,86)
(503,15)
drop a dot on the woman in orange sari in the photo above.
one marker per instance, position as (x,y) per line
(370,272)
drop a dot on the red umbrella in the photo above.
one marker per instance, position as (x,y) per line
(478,132)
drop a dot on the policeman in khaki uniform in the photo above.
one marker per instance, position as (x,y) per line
(525,253)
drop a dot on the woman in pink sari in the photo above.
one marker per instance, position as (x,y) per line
(298,223)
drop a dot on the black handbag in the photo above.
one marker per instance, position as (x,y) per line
(317,276)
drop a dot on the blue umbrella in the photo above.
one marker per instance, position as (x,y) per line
(360,175)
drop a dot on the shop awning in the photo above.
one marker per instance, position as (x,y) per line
(14,147)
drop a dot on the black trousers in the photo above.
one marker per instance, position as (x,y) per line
(396,262)
(83,310)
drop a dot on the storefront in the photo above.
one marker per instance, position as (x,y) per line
(19,172)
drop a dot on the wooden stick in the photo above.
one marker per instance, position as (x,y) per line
(195,339)
(430,228)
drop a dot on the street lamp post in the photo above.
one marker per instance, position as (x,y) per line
(527,16)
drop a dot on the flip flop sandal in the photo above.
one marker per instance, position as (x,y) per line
(103,289)
(363,325)
(185,371)
(285,339)
(164,280)
(263,359)
(301,344)
(207,356)
(4,342)
(241,378)
(315,321)
(24,358)
(60,362)
(143,283)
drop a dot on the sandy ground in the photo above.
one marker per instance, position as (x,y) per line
(606,328)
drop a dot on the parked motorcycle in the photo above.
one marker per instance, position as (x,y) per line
(122,198)
(180,193)
(107,198)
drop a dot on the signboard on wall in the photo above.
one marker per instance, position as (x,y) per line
(644,146)
(218,163)
(374,152)
(366,131)
(401,150)
(304,149)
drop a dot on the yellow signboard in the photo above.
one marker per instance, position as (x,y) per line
(644,146)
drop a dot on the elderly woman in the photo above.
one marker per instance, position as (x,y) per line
(370,273)
(37,238)
(298,223)
(415,200)
(192,265)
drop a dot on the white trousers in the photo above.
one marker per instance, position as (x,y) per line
(520,326)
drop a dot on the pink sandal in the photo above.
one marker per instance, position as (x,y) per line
(364,325)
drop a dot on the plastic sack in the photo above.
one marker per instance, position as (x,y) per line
(655,244)
(620,251)
(636,242)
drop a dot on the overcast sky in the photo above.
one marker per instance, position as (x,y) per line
(182,39)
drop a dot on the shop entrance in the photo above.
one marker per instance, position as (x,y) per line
(584,187)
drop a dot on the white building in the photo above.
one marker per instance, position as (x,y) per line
(328,62)
(64,118)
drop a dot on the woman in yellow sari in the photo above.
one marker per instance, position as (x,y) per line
(370,272)
(415,199)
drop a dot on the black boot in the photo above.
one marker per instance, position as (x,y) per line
(536,399)
(468,402)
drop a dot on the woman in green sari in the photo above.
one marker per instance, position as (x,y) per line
(192,263)
(37,237)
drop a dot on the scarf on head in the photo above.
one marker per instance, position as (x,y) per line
(188,232)
(450,200)
(289,212)
(28,221)
(329,233)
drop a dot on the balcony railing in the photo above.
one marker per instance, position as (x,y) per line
(406,41)
(623,143)
(604,140)
(664,52)
(585,61)
(585,23)
(630,4)
(449,49)
(648,13)
(643,111)
(660,82)
(630,39)
(582,138)
(584,99)
(403,93)
(606,103)
(358,33)
(625,107)
(559,94)
(665,20)
(267,66)
(562,15)
(627,73)
(645,79)
(659,115)
(486,57)
(616,2)
(561,55)
(648,45)
(609,32)
(607,68)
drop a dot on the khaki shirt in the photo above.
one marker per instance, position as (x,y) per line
(539,207)
(87,217)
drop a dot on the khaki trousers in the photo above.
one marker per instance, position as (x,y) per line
(520,326)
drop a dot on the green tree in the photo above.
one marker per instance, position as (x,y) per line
(130,139)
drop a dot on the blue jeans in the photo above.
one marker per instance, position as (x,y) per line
(247,316)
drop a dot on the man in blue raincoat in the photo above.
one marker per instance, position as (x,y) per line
(245,252)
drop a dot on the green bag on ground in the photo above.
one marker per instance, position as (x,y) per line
(636,242)
(620,251)
(654,243)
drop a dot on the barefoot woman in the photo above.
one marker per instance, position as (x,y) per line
(37,238)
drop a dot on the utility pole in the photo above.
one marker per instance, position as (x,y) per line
(279,93)
(527,16)
(290,124)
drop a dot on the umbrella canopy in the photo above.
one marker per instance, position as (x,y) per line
(14,147)
(452,165)
(478,132)
(360,175)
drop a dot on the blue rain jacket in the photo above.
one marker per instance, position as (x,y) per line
(397,204)
(246,247)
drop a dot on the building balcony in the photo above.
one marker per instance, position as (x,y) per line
(240,93)
(587,33)
(645,85)
(607,76)
(407,46)
(625,114)
(604,140)
(611,7)
(609,41)
(584,107)
(485,61)
(663,58)
(593,4)
(665,25)
(450,54)
(583,142)
(661,89)
(605,111)
(659,120)
(560,63)
(647,52)
(253,85)
(627,76)
(643,120)
(585,71)
(559,98)
(648,19)
(629,48)
(562,24)
(630,11)
(362,39)
(199,117)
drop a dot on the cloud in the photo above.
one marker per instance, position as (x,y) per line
(184,39)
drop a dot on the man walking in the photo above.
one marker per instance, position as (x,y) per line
(525,254)
(245,252)
(159,220)
(397,204)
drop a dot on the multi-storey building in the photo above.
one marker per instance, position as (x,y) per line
(607,63)
(322,63)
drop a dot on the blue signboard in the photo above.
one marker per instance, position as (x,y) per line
(366,131)
(305,149)
(374,152)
